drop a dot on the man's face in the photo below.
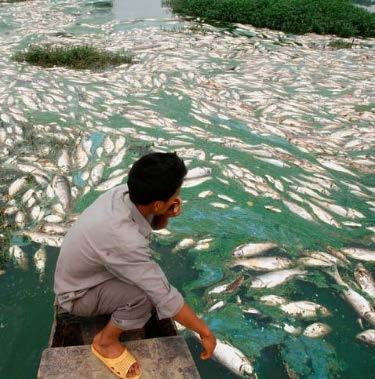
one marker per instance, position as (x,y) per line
(168,207)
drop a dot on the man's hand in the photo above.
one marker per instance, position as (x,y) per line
(189,319)
(208,342)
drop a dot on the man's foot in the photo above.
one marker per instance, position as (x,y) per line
(114,350)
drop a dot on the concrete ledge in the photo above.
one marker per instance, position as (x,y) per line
(160,358)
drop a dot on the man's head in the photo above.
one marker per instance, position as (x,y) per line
(156,179)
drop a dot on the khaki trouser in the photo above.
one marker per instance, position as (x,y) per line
(129,305)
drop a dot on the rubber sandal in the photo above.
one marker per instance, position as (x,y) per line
(120,365)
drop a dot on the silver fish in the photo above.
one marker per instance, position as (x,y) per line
(252,249)
(304,309)
(365,279)
(275,278)
(264,263)
(317,330)
(368,337)
(61,187)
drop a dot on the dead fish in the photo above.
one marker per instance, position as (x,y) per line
(323,215)
(44,239)
(40,258)
(273,300)
(357,301)
(204,194)
(81,157)
(252,249)
(338,254)
(323,256)
(53,218)
(297,210)
(198,172)
(365,280)
(20,219)
(216,306)
(304,309)
(97,173)
(368,337)
(108,145)
(252,312)
(317,330)
(193,182)
(232,358)
(229,287)
(184,244)
(219,205)
(61,187)
(118,158)
(110,183)
(264,263)
(19,257)
(359,254)
(52,228)
(313,262)
(275,278)
(272,208)
(64,162)
(17,185)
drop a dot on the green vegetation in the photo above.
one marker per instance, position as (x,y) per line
(340,44)
(76,57)
(340,17)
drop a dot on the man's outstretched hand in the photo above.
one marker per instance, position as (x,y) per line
(189,319)
(209,343)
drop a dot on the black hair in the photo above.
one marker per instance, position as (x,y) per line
(155,176)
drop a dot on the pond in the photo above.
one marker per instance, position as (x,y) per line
(281,125)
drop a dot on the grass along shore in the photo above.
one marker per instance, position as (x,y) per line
(75,57)
(339,17)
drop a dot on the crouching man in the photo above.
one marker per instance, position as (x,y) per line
(105,264)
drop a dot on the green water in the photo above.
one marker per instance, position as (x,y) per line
(26,296)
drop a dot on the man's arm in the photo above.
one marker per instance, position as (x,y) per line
(189,319)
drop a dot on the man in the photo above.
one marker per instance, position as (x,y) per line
(105,264)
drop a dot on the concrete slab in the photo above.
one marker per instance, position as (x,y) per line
(160,358)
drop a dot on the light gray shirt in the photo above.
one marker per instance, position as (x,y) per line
(111,239)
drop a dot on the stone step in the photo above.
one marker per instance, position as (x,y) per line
(160,358)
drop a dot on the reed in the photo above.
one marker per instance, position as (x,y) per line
(339,17)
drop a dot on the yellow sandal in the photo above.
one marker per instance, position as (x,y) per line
(120,365)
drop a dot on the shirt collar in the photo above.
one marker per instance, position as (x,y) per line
(143,223)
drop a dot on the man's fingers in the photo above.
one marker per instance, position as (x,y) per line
(204,356)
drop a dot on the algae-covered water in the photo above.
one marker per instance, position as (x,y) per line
(282,126)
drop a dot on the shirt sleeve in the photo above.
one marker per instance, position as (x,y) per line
(135,265)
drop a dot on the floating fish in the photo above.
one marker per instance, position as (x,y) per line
(368,337)
(359,254)
(264,263)
(275,278)
(365,280)
(304,309)
(232,358)
(317,330)
(273,300)
(357,301)
(252,249)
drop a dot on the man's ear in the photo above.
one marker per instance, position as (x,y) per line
(156,206)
